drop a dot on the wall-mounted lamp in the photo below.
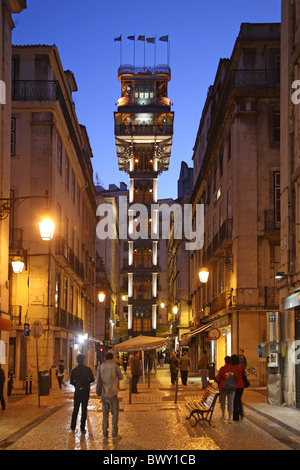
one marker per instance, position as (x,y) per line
(18,264)
(281,275)
(203,275)
(101,297)
(47,227)
(46,224)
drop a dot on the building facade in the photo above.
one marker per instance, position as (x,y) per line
(50,153)
(143,135)
(7,9)
(289,269)
(237,178)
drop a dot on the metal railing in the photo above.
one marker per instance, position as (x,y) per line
(143,129)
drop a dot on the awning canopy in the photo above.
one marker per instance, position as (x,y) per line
(141,343)
(201,329)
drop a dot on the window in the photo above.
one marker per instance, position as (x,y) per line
(67,173)
(66,294)
(13,137)
(276,128)
(57,290)
(229,204)
(277,197)
(277,69)
(59,155)
(221,163)
(73,187)
(58,219)
(229,146)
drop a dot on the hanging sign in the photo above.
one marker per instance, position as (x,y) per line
(214,334)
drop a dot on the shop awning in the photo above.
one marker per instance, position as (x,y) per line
(141,343)
(201,329)
(291,301)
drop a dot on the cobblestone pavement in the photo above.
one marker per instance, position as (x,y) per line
(151,422)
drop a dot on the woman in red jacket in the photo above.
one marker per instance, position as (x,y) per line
(223,374)
(239,371)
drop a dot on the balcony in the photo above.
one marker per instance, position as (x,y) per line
(158,102)
(220,241)
(68,321)
(271,220)
(70,260)
(15,312)
(143,130)
(132,70)
(221,302)
(50,90)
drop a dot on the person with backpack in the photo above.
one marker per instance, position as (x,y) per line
(227,386)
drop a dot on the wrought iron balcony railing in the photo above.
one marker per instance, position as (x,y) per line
(143,129)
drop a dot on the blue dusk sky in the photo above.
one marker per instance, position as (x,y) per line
(200,34)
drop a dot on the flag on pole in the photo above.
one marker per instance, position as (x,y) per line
(141,38)
(119,38)
(150,40)
(132,38)
(164,38)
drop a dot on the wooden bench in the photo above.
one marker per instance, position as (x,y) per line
(203,408)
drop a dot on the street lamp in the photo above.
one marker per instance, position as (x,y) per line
(47,227)
(175,309)
(203,275)
(101,297)
(18,264)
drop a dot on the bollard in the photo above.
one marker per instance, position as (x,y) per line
(176,389)
(130,390)
(26,385)
(30,385)
(149,378)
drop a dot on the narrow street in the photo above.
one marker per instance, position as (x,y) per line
(151,422)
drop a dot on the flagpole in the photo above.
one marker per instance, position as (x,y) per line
(169,53)
(134,52)
(155,51)
(145,51)
(121,51)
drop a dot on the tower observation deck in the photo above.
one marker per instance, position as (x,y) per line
(143,137)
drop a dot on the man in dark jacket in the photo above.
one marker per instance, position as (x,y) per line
(136,371)
(81,377)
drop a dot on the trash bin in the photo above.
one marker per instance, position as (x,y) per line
(44,382)
(212,371)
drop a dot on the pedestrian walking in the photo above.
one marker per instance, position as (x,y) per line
(239,371)
(136,371)
(203,368)
(108,376)
(243,359)
(81,377)
(60,373)
(225,375)
(125,361)
(184,365)
(2,382)
(174,364)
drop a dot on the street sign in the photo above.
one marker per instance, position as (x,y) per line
(37,329)
(26,330)
(214,334)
